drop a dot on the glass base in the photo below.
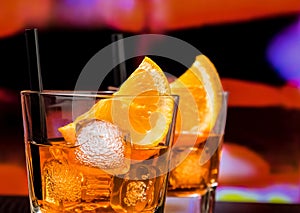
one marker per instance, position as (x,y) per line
(183,204)
(193,203)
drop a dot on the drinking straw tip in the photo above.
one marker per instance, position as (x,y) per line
(35,76)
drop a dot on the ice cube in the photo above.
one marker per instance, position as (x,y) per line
(96,188)
(131,195)
(188,171)
(101,145)
(136,191)
(61,183)
(142,172)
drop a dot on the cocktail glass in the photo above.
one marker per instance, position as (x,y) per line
(195,162)
(101,169)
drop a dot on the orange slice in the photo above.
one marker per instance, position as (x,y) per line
(147,80)
(198,88)
(147,77)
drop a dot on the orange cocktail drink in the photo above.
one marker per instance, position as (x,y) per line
(198,137)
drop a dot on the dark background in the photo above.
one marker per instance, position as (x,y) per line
(238,51)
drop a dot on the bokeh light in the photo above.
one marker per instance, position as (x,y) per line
(284,53)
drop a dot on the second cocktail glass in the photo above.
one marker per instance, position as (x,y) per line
(196,161)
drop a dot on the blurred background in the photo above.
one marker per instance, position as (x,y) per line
(255,46)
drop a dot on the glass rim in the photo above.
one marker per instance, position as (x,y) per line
(66,92)
(88,93)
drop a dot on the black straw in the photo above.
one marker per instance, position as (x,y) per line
(118,55)
(35,79)
(35,76)
(38,133)
(33,56)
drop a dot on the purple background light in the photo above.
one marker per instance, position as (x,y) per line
(283,53)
